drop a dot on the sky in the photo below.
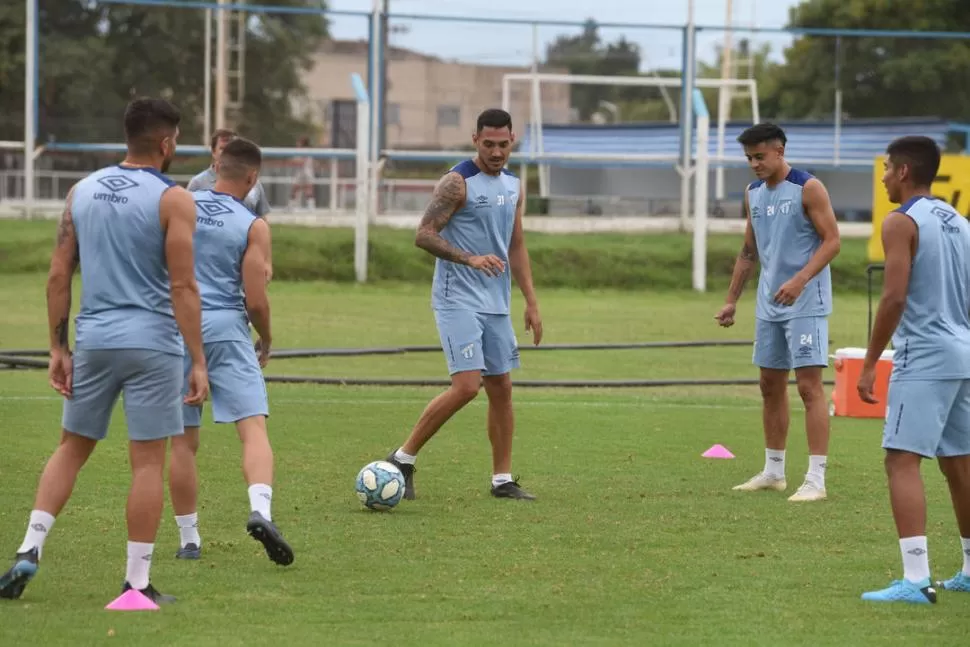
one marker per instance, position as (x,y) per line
(514,44)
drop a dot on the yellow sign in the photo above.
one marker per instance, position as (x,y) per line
(952,184)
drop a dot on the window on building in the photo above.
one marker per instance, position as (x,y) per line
(449,116)
(393,116)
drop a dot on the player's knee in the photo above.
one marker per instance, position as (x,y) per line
(499,388)
(810,388)
(773,387)
(78,447)
(897,462)
(188,442)
(148,454)
(956,470)
(465,386)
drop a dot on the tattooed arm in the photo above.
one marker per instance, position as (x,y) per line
(449,195)
(64,262)
(747,258)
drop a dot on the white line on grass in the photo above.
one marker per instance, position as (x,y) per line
(413,401)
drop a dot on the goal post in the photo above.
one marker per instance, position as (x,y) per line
(535,80)
(363,179)
(701,178)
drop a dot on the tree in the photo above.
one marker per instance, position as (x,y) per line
(94,58)
(763,71)
(880,77)
(586,54)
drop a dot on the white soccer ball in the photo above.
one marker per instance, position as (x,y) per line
(380,485)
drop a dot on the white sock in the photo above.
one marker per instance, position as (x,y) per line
(37,528)
(816,470)
(775,462)
(965,542)
(405,458)
(139,564)
(189,529)
(261,499)
(916,561)
(498,479)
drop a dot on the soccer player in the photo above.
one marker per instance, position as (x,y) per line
(231,247)
(130,229)
(474,228)
(255,200)
(791,229)
(924,306)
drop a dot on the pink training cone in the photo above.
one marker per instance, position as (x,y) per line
(132,600)
(718,451)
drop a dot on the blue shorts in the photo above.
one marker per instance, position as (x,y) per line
(928,417)
(474,341)
(795,343)
(152,385)
(236,385)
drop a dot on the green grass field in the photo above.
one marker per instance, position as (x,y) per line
(635,539)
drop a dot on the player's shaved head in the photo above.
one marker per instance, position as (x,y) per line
(920,154)
(148,122)
(239,158)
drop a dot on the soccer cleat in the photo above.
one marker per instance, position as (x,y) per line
(904,591)
(407,471)
(959,583)
(511,490)
(151,593)
(808,492)
(269,535)
(189,551)
(763,481)
(14,581)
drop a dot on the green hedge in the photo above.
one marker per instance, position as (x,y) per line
(586,261)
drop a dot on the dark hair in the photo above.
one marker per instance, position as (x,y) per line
(220,134)
(761,133)
(921,154)
(149,120)
(238,157)
(494,118)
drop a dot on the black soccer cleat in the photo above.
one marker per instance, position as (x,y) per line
(14,581)
(189,551)
(408,472)
(151,593)
(270,536)
(511,490)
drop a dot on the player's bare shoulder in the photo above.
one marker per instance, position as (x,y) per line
(448,197)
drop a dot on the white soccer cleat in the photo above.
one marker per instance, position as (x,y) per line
(763,482)
(808,492)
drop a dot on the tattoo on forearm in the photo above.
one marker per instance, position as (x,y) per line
(742,269)
(446,199)
(60,331)
(748,253)
(66,235)
(742,272)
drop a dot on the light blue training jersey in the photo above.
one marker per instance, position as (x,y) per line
(221,238)
(126,298)
(256,200)
(932,340)
(482,226)
(786,240)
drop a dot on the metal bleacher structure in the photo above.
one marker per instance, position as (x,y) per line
(842,157)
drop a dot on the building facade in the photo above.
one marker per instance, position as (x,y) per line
(432,104)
